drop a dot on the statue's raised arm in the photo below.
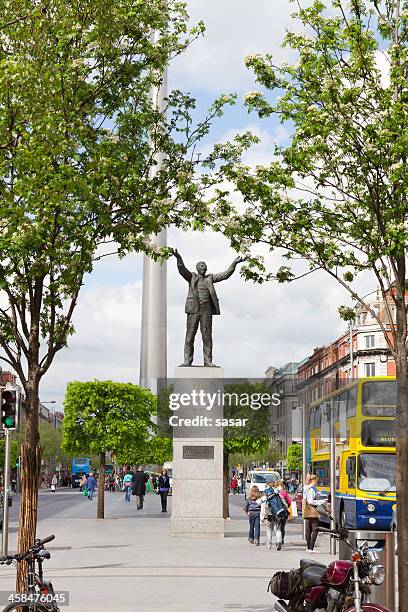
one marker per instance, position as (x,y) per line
(220,276)
(185,273)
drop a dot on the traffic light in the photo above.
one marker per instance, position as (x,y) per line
(10,408)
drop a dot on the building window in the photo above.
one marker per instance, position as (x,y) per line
(369,369)
(369,341)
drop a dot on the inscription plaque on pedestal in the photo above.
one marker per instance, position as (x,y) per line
(198,452)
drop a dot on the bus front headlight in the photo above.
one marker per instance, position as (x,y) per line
(371,507)
(377,574)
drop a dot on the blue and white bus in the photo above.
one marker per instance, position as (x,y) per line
(80,466)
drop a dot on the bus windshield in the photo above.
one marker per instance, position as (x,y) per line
(379,398)
(377,472)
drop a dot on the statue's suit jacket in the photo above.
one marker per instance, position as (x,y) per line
(192,301)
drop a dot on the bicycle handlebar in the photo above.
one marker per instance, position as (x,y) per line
(35,548)
(45,540)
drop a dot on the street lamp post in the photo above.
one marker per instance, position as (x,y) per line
(304,459)
(54,417)
(53,422)
(332,474)
(6,493)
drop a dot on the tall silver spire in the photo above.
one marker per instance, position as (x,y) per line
(153,347)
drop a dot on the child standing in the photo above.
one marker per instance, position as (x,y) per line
(253,510)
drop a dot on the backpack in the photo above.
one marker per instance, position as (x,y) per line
(277,506)
(284,584)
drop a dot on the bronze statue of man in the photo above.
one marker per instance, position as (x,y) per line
(201,304)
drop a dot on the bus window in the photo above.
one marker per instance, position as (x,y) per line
(351,472)
(377,472)
(379,398)
(351,402)
(341,406)
(378,433)
(321,469)
(318,416)
(311,419)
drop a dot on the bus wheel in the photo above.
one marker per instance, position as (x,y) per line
(342,517)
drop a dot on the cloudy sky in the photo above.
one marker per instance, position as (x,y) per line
(260,325)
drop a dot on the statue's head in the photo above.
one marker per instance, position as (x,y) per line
(201,267)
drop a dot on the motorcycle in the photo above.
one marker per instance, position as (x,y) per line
(339,587)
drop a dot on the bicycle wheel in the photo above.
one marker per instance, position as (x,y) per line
(35,607)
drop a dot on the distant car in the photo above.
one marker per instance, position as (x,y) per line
(259,478)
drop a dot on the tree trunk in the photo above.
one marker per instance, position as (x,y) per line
(225,474)
(402,455)
(30,476)
(100,512)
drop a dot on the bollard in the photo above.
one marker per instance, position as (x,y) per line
(383,543)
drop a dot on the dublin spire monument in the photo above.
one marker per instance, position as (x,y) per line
(153,343)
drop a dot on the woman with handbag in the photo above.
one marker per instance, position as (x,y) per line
(310,513)
(280,486)
(164,488)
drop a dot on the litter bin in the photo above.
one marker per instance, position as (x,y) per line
(383,543)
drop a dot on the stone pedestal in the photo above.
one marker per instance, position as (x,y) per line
(197,502)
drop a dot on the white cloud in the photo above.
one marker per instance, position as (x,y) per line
(234,29)
(106,344)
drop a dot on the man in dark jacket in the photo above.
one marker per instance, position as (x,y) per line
(139,486)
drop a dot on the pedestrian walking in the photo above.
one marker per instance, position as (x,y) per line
(127,483)
(280,486)
(82,482)
(274,513)
(240,484)
(139,486)
(234,485)
(309,512)
(91,485)
(155,482)
(164,488)
(54,482)
(111,483)
(253,510)
(269,517)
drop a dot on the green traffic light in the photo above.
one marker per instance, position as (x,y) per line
(9,421)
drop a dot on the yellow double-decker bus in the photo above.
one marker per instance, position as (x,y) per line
(364,413)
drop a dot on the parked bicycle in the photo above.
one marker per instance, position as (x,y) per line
(40,596)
